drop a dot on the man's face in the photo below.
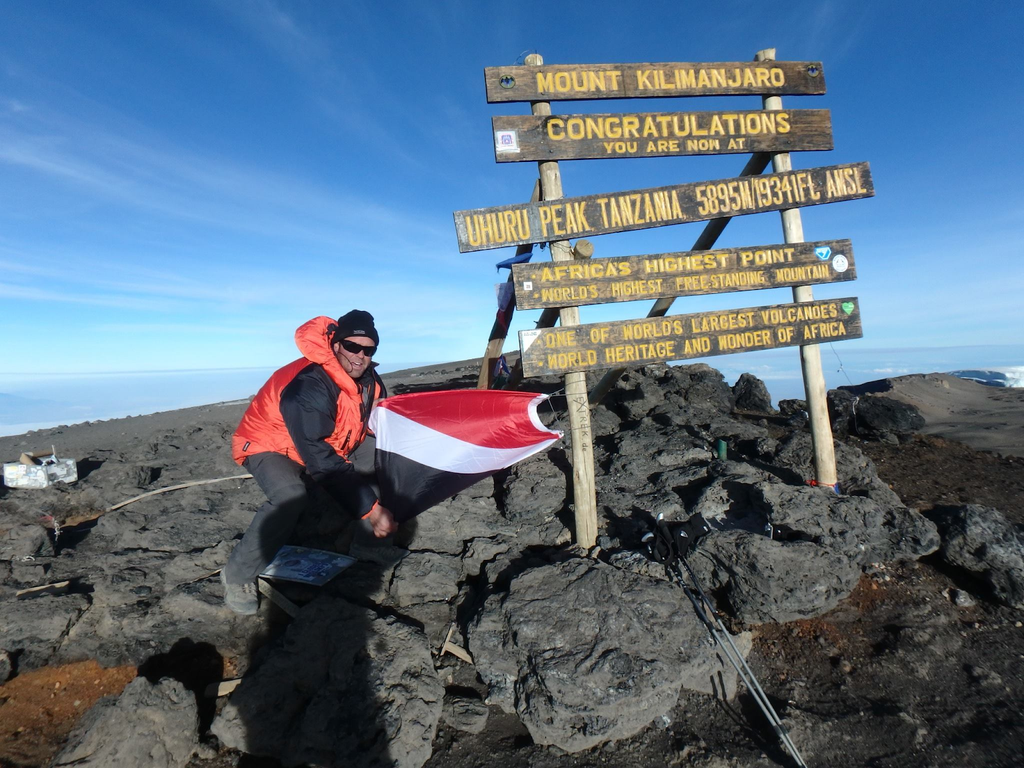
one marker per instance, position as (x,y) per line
(354,363)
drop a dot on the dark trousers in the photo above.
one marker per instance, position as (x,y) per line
(281,480)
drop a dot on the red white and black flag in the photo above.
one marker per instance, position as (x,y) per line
(431,445)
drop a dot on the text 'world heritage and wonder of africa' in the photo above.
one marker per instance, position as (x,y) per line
(681,337)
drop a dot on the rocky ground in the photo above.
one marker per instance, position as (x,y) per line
(884,623)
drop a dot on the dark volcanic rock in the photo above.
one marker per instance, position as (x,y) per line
(147,725)
(699,385)
(585,653)
(792,407)
(464,714)
(343,684)
(981,541)
(22,542)
(877,416)
(767,580)
(752,395)
(841,411)
(142,603)
(856,472)
(36,628)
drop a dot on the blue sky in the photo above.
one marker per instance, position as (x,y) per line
(183,183)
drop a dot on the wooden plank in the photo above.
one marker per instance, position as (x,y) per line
(552,220)
(682,337)
(277,598)
(686,273)
(567,82)
(455,650)
(57,588)
(519,138)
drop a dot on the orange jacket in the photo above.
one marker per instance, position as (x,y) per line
(310,410)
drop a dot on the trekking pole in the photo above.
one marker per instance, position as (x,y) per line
(703,606)
(670,545)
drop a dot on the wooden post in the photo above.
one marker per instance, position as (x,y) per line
(708,236)
(810,355)
(498,332)
(584,496)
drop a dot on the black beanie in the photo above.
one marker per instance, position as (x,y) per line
(356,323)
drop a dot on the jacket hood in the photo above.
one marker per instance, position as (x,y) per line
(313,338)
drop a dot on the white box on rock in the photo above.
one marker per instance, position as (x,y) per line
(39,471)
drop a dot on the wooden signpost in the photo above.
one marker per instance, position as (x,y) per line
(688,273)
(518,138)
(566,283)
(485,228)
(682,337)
(563,82)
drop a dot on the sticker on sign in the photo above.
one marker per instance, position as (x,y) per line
(506,141)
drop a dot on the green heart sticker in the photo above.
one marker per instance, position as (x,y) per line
(847,306)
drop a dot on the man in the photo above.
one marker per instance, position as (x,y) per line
(305,422)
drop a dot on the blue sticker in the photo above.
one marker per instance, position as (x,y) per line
(823,252)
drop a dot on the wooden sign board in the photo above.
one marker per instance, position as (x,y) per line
(631,81)
(687,273)
(658,134)
(681,337)
(569,217)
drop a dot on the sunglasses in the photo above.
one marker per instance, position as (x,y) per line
(355,349)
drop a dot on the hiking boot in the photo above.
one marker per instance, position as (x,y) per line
(243,599)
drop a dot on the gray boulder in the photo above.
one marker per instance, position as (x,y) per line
(765,580)
(858,527)
(752,395)
(981,541)
(837,535)
(636,395)
(22,542)
(142,603)
(535,489)
(856,472)
(585,653)
(792,407)
(878,416)
(342,685)
(151,725)
(425,577)
(698,385)
(841,405)
(35,628)
(464,713)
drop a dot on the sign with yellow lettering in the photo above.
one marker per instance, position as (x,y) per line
(570,217)
(625,81)
(681,337)
(658,134)
(687,273)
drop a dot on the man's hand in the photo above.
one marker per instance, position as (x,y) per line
(382,521)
